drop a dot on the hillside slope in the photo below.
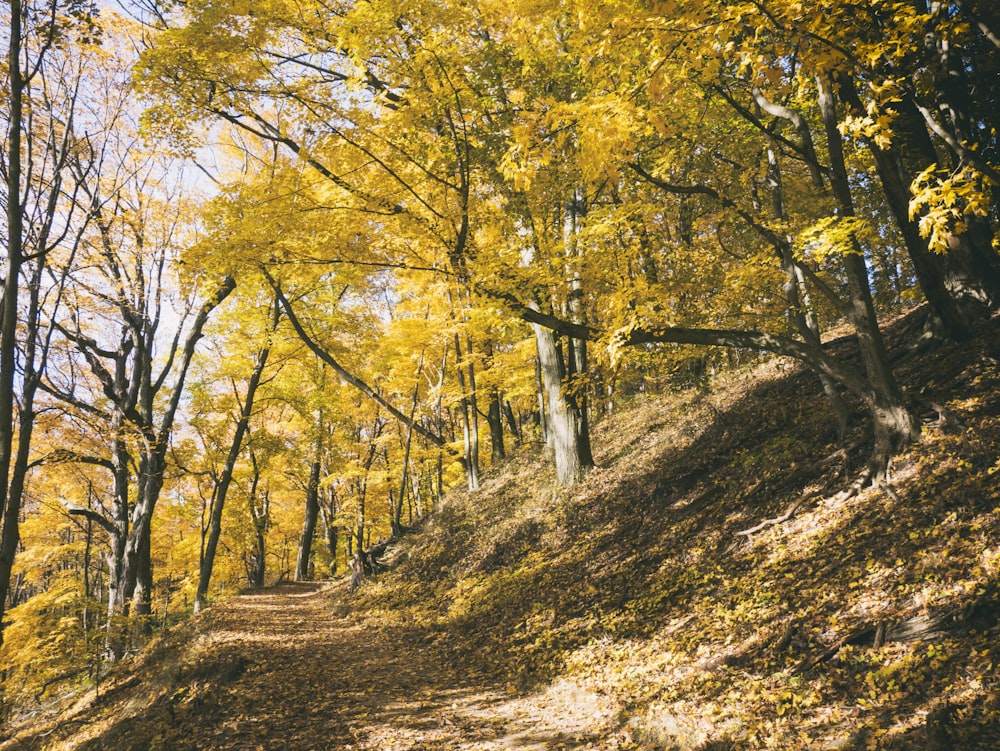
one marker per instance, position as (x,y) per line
(712,585)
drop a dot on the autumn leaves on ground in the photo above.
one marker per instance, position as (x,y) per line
(714,584)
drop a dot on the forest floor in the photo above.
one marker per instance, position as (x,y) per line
(713,585)
(276,669)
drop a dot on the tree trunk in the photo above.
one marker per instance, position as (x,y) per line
(9,501)
(576,356)
(495,419)
(797,294)
(470,423)
(259,503)
(142,597)
(136,563)
(895,427)
(543,423)
(312,508)
(397,512)
(332,533)
(565,421)
(937,278)
(508,413)
(221,489)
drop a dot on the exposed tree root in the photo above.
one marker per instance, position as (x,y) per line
(58,679)
(863,480)
(368,562)
(946,420)
(877,634)
(842,454)
(789,512)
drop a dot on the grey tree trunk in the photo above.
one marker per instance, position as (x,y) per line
(495,419)
(328,517)
(797,295)
(895,427)
(470,422)
(566,425)
(136,565)
(9,500)
(941,283)
(260,515)
(23,374)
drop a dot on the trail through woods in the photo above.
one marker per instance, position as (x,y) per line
(672,601)
(280,669)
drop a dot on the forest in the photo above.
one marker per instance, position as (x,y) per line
(281,276)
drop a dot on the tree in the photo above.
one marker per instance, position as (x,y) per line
(713,187)
(40,150)
(221,485)
(121,290)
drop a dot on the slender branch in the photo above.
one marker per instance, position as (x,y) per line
(353,380)
(812,355)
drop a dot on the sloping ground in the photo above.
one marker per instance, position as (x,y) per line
(711,586)
(858,622)
(280,670)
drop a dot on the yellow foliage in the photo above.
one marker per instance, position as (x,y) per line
(943,200)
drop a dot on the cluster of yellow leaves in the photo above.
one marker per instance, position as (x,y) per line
(832,236)
(944,200)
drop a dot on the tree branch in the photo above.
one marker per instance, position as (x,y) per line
(353,380)
(99,519)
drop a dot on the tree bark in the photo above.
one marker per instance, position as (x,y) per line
(508,413)
(895,427)
(328,514)
(312,507)
(397,511)
(470,424)
(260,515)
(565,421)
(9,499)
(138,583)
(24,373)
(221,489)
(495,419)
(796,292)
(938,280)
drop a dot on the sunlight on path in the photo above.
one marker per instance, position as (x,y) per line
(312,680)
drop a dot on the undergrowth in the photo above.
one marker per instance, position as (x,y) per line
(714,577)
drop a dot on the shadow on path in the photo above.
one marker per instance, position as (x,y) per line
(279,670)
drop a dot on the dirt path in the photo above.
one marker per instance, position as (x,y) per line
(279,670)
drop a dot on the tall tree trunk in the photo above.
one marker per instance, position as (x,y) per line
(543,423)
(797,294)
(565,422)
(9,499)
(397,512)
(495,419)
(117,599)
(260,515)
(933,272)
(328,514)
(576,356)
(138,570)
(142,597)
(508,413)
(470,423)
(221,489)
(895,427)
(312,507)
